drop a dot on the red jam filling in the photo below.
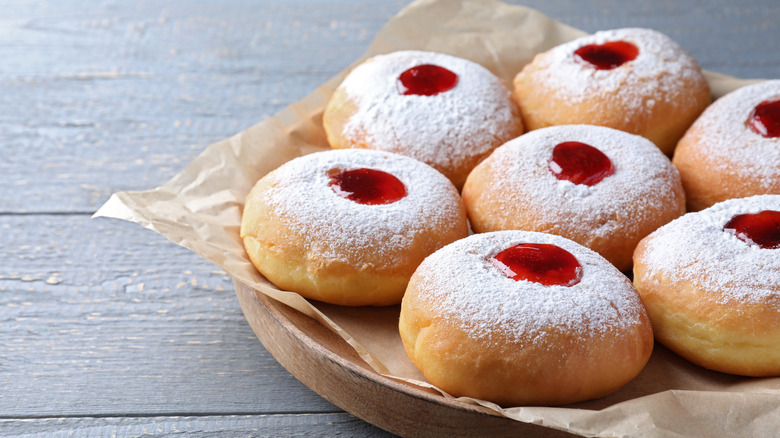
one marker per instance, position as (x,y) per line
(426,80)
(762,229)
(542,263)
(580,163)
(765,119)
(609,55)
(367,186)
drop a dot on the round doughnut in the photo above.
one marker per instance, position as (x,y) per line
(711,285)
(445,111)
(733,148)
(517,187)
(349,227)
(636,80)
(571,327)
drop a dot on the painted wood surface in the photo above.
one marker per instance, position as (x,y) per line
(108,329)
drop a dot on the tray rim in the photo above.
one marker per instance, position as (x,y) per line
(348,382)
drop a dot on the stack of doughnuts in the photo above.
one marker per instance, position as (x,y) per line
(514,290)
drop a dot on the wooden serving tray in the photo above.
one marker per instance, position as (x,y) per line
(329,366)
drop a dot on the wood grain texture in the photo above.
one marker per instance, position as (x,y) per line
(108,96)
(275,425)
(108,329)
(109,321)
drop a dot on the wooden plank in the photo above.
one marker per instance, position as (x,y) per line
(121,96)
(340,424)
(100,317)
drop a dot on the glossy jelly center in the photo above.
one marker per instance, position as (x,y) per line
(609,55)
(762,229)
(542,263)
(367,186)
(426,80)
(765,119)
(580,163)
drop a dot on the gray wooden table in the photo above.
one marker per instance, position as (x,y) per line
(108,329)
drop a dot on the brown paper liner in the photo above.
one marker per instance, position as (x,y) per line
(200,209)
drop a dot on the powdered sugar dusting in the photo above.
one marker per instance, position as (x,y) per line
(658,70)
(695,248)
(640,184)
(461,284)
(440,130)
(732,147)
(339,229)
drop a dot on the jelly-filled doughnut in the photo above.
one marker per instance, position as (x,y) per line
(603,188)
(524,318)
(445,111)
(636,80)
(711,284)
(349,227)
(733,148)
